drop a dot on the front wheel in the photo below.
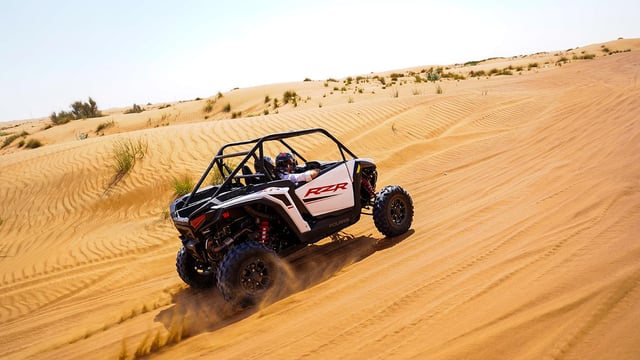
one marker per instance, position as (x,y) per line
(250,272)
(393,211)
(193,272)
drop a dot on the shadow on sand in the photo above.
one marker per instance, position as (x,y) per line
(196,311)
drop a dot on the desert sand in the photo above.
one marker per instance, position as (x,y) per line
(524,243)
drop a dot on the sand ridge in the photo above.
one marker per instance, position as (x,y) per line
(523,244)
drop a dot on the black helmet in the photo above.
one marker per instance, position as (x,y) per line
(286,162)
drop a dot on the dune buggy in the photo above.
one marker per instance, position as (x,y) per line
(241,217)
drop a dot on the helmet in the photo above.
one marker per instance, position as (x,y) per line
(286,162)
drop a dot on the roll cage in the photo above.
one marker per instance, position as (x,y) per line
(234,173)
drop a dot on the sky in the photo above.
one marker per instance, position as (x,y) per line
(118,52)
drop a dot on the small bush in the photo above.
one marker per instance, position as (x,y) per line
(79,110)
(433,76)
(227,108)
(307,79)
(134,109)
(33,143)
(267,99)
(11,138)
(438,89)
(288,96)
(183,185)
(125,154)
(208,107)
(104,126)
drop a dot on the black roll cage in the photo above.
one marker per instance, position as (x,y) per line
(257,152)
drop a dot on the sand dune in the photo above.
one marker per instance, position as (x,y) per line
(524,243)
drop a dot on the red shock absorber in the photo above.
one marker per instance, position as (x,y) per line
(264,232)
(368,187)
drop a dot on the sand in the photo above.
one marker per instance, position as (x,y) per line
(524,243)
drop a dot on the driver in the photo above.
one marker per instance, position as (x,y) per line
(286,166)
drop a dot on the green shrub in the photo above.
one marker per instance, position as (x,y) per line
(11,138)
(183,185)
(208,107)
(134,109)
(288,96)
(433,76)
(477,73)
(125,154)
(227,108)
(33,143)
(60,118)
(79,110)
(105,125)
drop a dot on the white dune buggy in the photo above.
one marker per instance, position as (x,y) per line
(233,232)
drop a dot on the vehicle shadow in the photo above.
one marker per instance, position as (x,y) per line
(196,311)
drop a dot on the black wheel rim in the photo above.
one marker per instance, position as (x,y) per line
(398,211)
(255,276)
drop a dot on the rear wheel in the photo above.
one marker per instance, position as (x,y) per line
(193,272)
(250,272)
(393,211)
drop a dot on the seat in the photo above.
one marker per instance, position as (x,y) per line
(263,166)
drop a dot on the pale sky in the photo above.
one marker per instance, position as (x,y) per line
(53,53)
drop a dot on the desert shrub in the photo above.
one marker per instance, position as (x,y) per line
(79,110)
(11,138)
(134,109)
(208,107)
(433,76)
(267,99)
(438,89)
(60,118)
(105,125)
(477,73)
(227,108)
(288,96)
(532,65)
(236,114)
(33,143)
(125,153)
(182,185)
(307,79)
